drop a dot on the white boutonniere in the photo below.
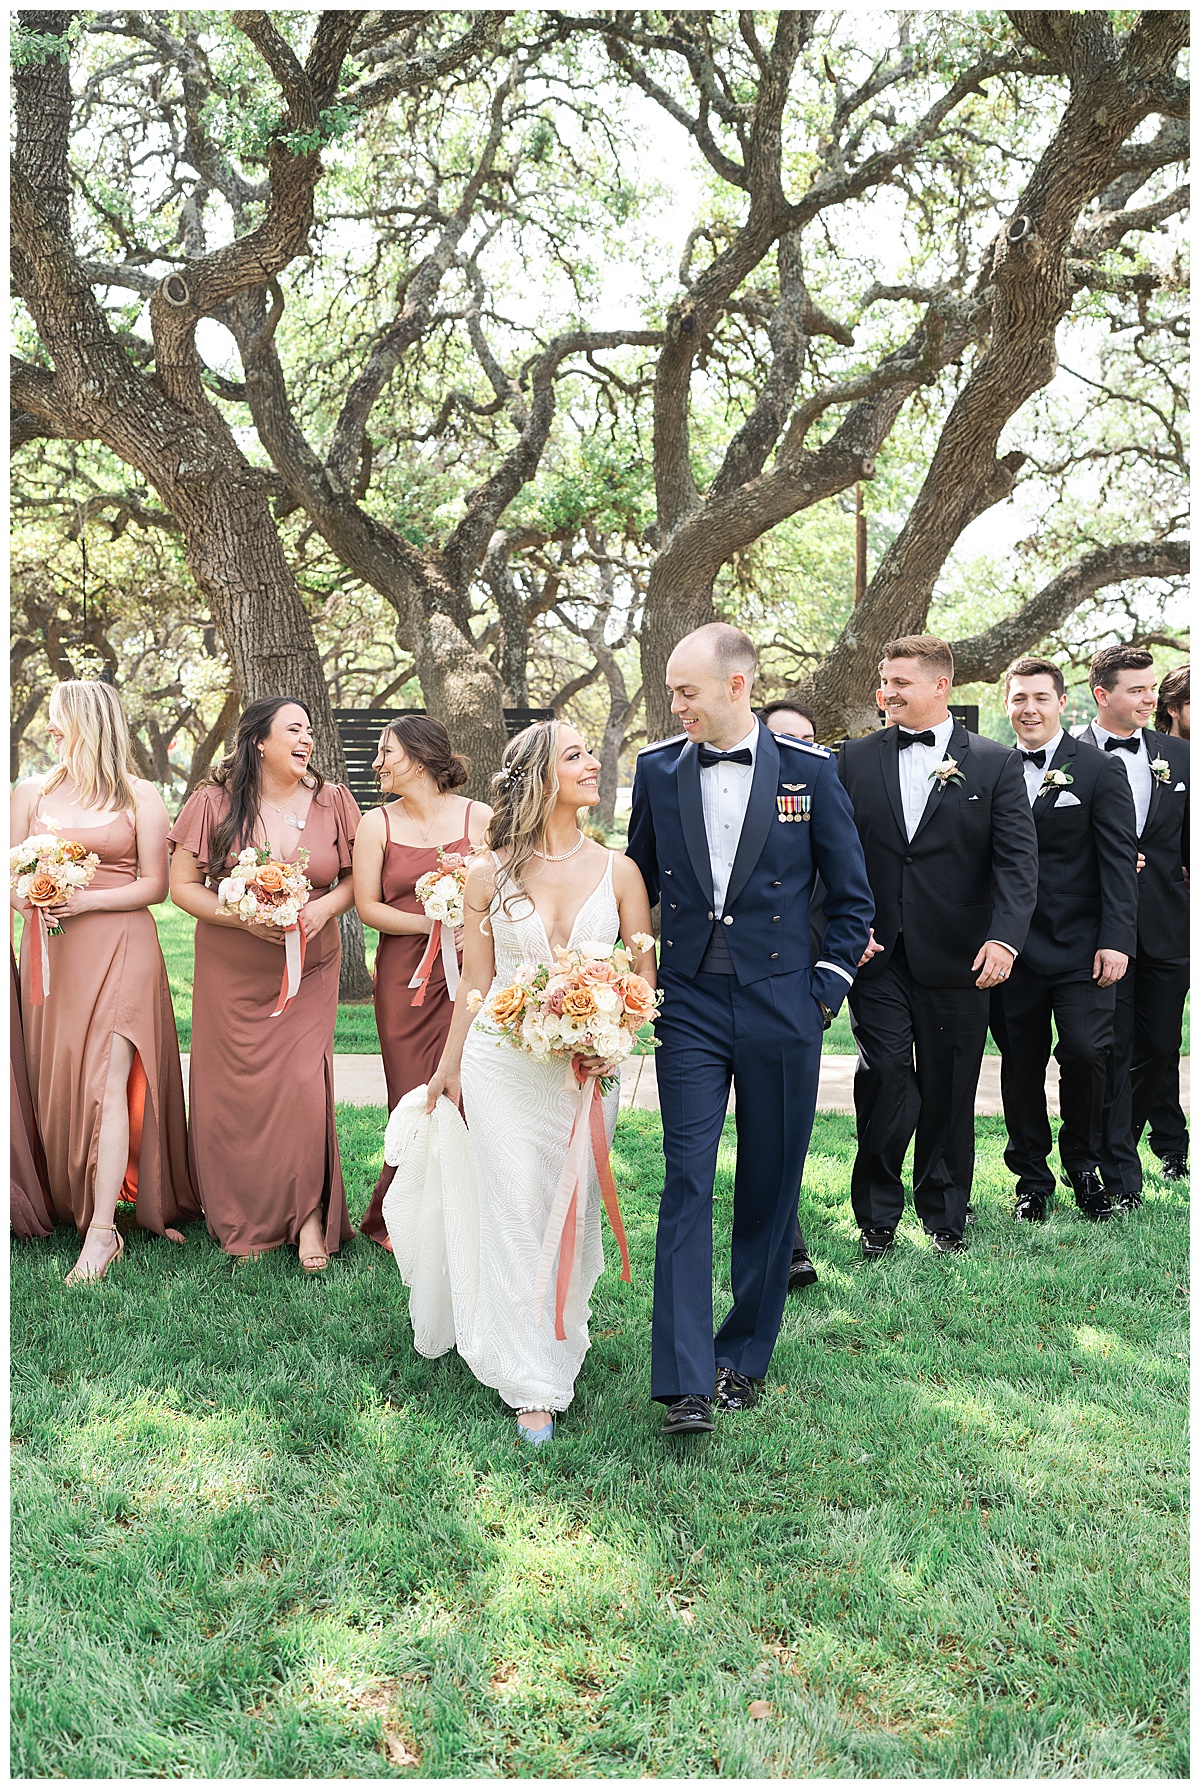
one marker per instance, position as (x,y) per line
(1055,779)
(948,772)
(1160,769)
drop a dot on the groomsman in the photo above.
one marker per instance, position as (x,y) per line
(1168,1122)
(1081,938)
(951,853)
(1148,1021)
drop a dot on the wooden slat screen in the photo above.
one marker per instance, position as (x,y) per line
(359,730)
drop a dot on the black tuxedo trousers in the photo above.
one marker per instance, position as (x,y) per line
(894,1015)
(1022,1008)
(1147,1034)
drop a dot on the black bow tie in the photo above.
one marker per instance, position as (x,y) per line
(1038,757)
(1113,744)
(708,757)
(925,738)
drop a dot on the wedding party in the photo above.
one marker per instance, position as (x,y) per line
(599,895)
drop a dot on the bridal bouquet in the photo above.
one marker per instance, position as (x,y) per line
(265,891)
(590,1003)
(440,893)
(45,871)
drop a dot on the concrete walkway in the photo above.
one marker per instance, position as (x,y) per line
(358,1081)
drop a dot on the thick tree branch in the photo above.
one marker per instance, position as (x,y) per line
(982,657)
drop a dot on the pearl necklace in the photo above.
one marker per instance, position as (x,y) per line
(560,856)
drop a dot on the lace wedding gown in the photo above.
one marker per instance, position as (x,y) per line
(468,1208)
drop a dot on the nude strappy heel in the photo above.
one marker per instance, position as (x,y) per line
(78,1277)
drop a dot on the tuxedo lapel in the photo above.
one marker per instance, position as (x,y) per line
(691,816)
(958,747)
(760,811)
(1153,750)
(1063,758)
(889,768)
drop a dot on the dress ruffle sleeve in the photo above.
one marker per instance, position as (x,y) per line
(349,816)
(198,820)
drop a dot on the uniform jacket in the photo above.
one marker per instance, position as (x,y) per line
(1087,865)
(968,874)
(1162,914)
(798,823)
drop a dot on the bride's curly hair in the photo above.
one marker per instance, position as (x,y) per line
(524,791)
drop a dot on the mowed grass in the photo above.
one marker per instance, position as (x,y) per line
(255,1535)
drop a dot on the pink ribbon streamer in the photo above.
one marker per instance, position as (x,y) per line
(39,959)
(564,1227)
(293,966)
(440,938)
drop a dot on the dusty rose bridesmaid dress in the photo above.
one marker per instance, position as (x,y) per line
(264,1150)
(108,978)
(30,1211)
(411,1038)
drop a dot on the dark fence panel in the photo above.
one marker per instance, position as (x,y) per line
(359,730)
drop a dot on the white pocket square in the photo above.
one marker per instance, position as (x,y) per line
(1068,801)
(1180,788)
(972,798)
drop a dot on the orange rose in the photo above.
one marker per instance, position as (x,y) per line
(638,996)
(507,1005)
(578,1004)
(271,879)
(74,850)
(44,892)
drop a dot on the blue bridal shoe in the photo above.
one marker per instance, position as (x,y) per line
(535,1437)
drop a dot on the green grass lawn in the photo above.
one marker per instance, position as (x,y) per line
(255,1535)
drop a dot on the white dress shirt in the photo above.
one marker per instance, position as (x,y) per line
(916,771)
(1035,776)
(1136,766)
(725,795)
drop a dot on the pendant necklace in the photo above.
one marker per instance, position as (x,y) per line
(560,856)
(289,819)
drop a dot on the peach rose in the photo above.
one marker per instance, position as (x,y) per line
(43,891)
(578,1004)
(507,1005)
(74,850)
(637,995)
(592,972)
(271,879)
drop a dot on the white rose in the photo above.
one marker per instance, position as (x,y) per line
(247,906)
(591,950)
(607,999)
(230,891)
(23,885)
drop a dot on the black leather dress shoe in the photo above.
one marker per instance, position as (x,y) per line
(1124,1203)
(689,1416)
(801,1273)
(1174,1167)
(945,1244)
(733,1391)
(1030,1208)
(1091,1197)
(876,1243)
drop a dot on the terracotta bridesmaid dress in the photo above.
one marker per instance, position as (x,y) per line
(411,1038)
(108,978)
(264,1150)
(30,1211)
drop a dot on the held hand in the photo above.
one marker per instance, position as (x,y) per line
(873,949)
(1141,862)
(1109,967)
(313,916)
(77,902)
(994,962)
(444,1083)
(592,1067)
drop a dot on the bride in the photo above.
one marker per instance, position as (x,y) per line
(540,884)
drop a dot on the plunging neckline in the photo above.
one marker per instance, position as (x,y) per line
(67,826)
(579,911)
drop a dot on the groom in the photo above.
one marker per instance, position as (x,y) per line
(730,825)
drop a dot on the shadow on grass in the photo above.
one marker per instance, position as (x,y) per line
(949,1541)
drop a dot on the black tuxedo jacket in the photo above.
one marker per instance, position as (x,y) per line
(1162,917)
(968,874)
(1087,865)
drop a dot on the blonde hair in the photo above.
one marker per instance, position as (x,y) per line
(524,791)
(96,753)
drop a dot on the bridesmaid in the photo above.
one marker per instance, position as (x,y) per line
(417,772)
(264,1149)
(102,1053)
(30,1207)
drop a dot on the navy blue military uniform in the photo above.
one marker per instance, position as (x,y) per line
(741,1001)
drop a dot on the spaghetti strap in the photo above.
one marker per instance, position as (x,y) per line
(466,831)
(387,826)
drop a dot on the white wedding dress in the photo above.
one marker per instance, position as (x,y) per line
(468,1207)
